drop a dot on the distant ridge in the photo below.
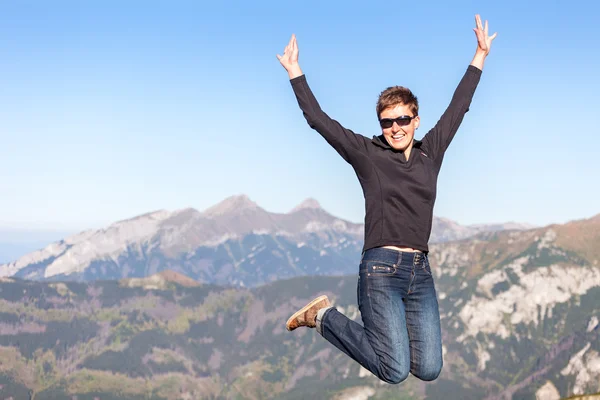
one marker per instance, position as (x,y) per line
(235,242)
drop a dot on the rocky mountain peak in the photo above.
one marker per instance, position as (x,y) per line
(232,204)
(309,203)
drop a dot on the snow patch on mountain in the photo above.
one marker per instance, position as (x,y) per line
(315,226)
(219,240)
(525,302)
(337,225)
(586,368)
(284,234)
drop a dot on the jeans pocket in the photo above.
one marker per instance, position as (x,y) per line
(380,268)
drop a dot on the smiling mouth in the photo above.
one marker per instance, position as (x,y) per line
(398,136)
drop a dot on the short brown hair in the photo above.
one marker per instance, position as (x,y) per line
(396,95)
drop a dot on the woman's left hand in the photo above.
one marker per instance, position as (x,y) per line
(484,42)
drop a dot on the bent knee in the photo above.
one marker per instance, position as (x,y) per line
(429,373)
(392,375)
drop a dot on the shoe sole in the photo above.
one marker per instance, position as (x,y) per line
(303,310)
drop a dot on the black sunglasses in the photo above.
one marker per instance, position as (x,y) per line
(402,120)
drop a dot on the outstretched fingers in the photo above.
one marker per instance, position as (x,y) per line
(483,30)
(478,21)
(287,49)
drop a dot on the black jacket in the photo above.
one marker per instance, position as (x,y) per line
(399,194)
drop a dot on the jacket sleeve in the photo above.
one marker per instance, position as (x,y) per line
(343,140)
(439,137)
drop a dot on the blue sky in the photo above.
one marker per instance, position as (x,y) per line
(112,109)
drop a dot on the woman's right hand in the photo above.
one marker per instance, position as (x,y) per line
(289,59)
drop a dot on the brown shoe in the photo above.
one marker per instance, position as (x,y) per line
(307,315)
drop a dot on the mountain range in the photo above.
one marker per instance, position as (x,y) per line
(235,242)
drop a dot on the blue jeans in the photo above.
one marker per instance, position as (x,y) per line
(401,321)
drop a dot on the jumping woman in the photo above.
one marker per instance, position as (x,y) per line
(398,174)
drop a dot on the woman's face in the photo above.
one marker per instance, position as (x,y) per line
(400,135)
